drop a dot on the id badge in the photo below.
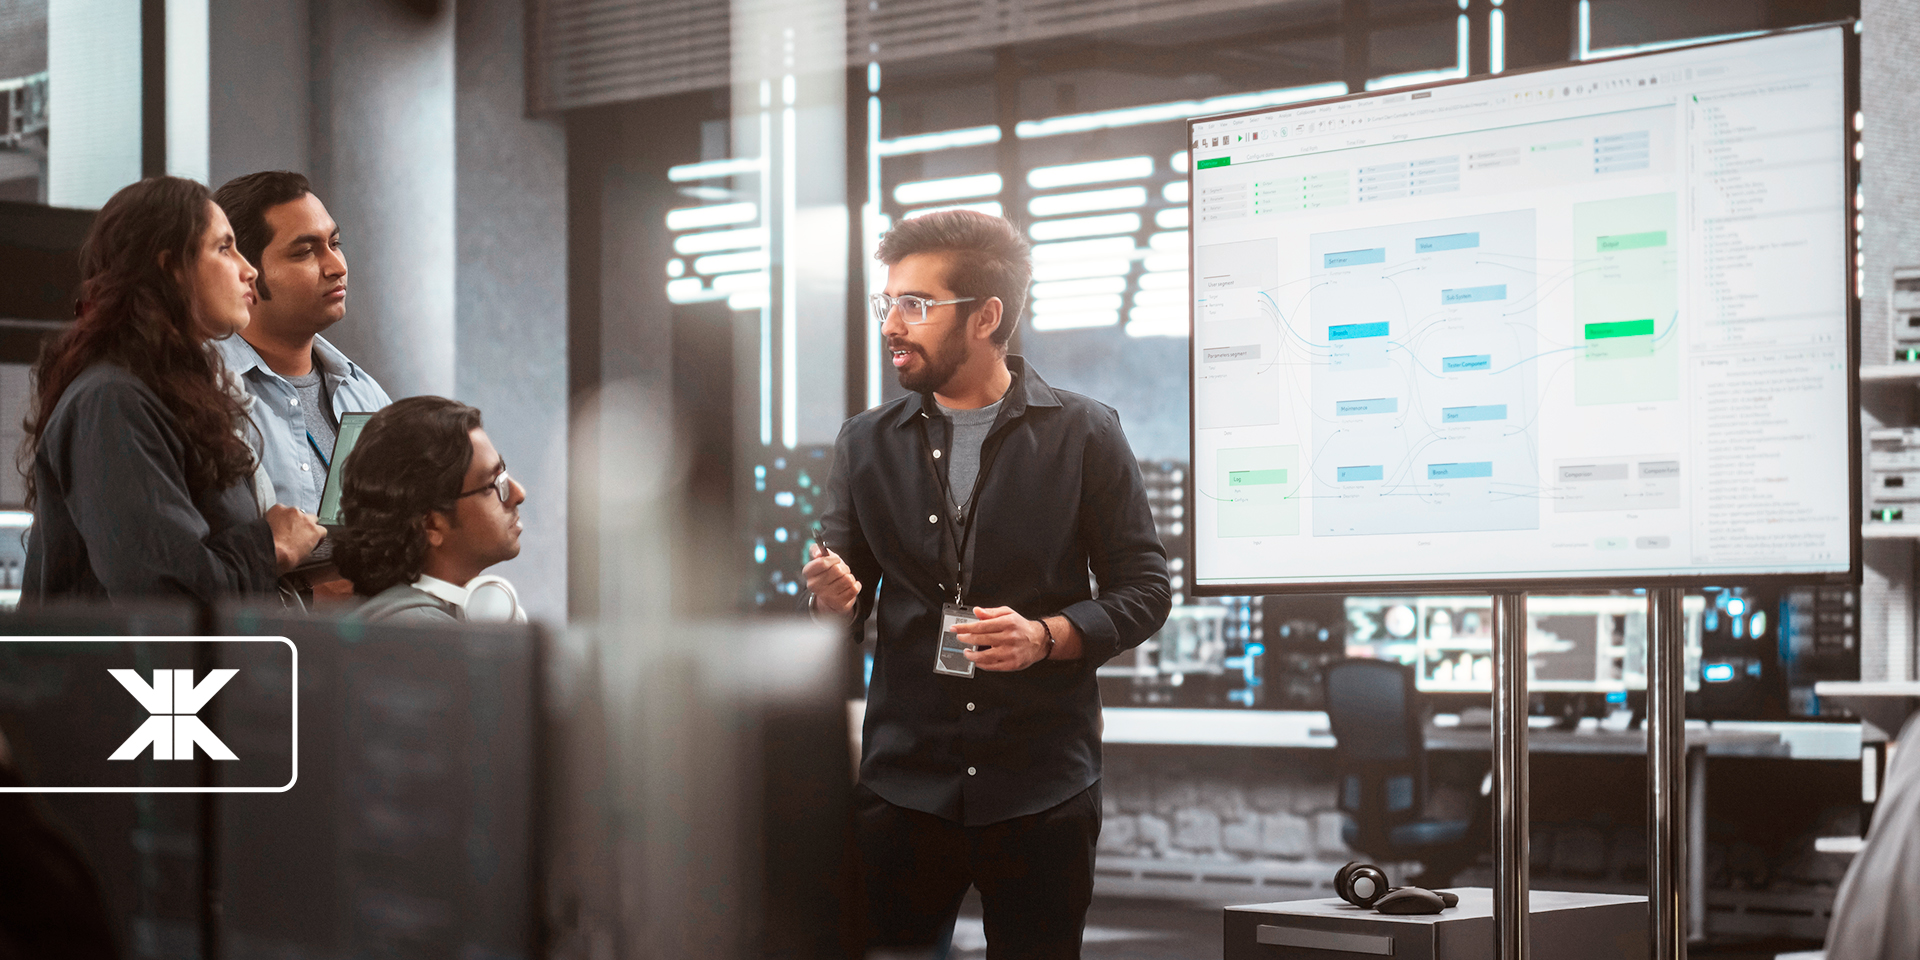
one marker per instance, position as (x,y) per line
(952,656)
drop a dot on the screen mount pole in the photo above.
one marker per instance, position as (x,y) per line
(1666,775)
(1510,787)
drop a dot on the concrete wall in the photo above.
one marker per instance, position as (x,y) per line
(383,160)
(510,358)
(258,116)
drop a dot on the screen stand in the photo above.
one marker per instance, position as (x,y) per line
(1666,775)
(1510,862)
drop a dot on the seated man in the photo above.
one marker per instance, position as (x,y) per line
(427,506)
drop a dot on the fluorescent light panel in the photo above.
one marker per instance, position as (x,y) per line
(720,240)
(712,215)
(1098,171)
(947,188)
(1165,112)
(1085,226)
(1118,198)
(1076,321)
(940,140)
(1074,269)
(991,208)
(1079,288)
(712,169)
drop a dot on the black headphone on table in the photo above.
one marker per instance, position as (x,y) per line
(1365,886)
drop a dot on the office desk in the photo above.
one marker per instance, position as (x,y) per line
(1308,730)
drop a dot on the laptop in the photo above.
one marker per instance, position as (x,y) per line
(351,426)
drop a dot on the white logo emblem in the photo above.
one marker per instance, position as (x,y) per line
(173,700)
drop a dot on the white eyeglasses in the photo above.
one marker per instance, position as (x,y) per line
(910,307)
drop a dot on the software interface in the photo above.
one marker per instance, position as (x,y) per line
(1575,323)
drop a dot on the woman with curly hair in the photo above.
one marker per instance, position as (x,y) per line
(426,506)
(140,481)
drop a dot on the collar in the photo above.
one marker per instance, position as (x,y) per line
(442,590)
(241,358)
(1028,389)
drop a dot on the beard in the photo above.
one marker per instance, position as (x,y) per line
(946,358)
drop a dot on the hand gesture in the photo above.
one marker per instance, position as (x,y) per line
(830,581)
(295,534)
(1013,642)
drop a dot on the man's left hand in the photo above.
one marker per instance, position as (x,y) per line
(1013,642)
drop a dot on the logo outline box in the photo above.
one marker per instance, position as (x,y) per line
(294,710)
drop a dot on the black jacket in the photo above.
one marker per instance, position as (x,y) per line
(113,518)
(1059,494)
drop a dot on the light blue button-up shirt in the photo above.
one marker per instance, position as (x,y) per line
(299,475)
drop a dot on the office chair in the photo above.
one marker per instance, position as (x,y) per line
(1380,760)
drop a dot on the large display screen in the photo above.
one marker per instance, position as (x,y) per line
(1585,325)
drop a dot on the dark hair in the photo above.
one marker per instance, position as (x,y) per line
(990,258)
(135,312)
(409,462)
(247,200)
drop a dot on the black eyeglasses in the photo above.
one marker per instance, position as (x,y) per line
(502,487)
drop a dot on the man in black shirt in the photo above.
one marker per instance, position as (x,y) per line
(985,494)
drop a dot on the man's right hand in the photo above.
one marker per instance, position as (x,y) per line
(831,582)
(295,534)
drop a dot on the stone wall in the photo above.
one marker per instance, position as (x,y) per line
(1266,813)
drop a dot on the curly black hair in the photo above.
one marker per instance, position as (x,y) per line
(410,461)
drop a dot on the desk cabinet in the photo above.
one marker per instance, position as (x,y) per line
(1565,926)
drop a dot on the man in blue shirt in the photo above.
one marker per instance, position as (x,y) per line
(300,384)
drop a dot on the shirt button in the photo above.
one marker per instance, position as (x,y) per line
(936,454)
(969,771)
(296,401)
(969,708)
(933,518)
(303,466)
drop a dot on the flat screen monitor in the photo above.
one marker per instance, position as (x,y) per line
(1587,325)
(1575,644)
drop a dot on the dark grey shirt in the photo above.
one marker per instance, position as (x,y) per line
(113,518)
(969,432)
(311,391)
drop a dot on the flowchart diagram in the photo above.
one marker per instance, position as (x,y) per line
(1423,414)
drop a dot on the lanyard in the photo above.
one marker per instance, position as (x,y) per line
(960,543)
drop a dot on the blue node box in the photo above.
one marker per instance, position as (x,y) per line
(1357,408)
(1491,411)
(1460,471)
(1355,258)
(1452,241)
(1497,291)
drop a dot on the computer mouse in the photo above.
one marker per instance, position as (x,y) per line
(1405,900)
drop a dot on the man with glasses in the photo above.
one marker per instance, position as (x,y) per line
(965,519)
(426,506)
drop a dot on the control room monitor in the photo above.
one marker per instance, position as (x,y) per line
(1591,324)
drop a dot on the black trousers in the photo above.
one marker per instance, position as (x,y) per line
(1034,874)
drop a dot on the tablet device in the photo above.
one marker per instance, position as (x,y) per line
(351,424)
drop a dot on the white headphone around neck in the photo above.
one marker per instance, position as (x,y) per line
(491,599)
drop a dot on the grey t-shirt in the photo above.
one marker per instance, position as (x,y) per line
(970,429)
(319,421)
